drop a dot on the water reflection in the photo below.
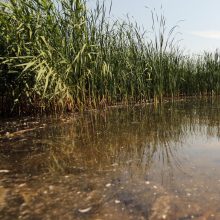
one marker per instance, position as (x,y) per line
(135,139)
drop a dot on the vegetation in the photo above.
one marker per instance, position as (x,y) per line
(62,56)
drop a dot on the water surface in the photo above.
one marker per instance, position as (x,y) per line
(140,162)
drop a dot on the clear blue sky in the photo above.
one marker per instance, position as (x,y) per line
(200,29)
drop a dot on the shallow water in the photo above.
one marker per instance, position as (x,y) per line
(142,162)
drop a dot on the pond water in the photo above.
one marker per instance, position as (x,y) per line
(140,162)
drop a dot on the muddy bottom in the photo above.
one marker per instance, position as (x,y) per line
(95,197)
(122,163)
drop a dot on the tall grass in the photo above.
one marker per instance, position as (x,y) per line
(61,56)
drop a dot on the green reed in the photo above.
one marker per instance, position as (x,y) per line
(60,55)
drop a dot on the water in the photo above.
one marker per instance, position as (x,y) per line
(128,162)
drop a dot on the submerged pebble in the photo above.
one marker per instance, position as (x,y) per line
(51,187)
(4,171)
(85,210)
(117,201)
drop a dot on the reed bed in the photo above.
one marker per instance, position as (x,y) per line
(62,56)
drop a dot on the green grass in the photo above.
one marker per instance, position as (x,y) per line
(64,57)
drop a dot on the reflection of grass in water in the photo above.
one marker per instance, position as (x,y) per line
(62,160)
(101,140)
(139,137)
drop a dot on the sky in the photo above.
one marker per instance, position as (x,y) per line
(198,20)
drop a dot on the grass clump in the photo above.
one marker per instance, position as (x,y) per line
(60,55)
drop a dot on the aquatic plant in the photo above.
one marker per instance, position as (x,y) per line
(61,56)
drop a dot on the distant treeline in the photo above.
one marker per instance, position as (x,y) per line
(61,56)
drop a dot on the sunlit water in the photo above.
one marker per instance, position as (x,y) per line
(142,162)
